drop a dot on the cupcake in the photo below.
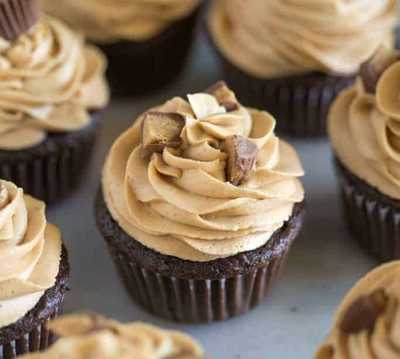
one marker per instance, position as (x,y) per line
(34,273)
(367,322)
(146,41)
(292,58)
(92,336)
(51,94)
(364,125)
(200,204)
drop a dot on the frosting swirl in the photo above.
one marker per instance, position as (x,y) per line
(180,203)
(365,131)
(49,82)
(89,336)
(137,20)
(378,337)
(30,251)
(285,37)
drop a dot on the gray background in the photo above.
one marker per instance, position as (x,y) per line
(322,266)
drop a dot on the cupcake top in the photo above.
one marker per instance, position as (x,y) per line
(30,252)
(50,82)
(202,178)
(367,323)
(137,20)
(277,38)
(94,337)
(364,123)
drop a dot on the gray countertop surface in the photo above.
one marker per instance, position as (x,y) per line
(323,264)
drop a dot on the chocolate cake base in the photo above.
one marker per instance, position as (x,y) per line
(30,333)
(136,68)
(196,292)
(372,218)
(299,103)
(54,168)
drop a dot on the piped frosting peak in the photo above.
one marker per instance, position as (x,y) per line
(364,123)
(50,81)
(166,180)
(30,252)
(367,323)
(278,38)
(95,337)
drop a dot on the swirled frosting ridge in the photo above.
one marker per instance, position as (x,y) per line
(179,202)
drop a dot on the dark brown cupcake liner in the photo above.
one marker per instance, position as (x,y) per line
(31,333)
(136,68)
(38,339)
(51,170)
(17,17)
(300,103)
(372,218)
(197,301)
(195,292)
(398,37)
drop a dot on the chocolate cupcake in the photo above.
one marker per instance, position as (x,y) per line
(52,91)
(146,41)
(34,273)
(366,324)
(293,59)
(200,204)
(364,127)
(92,336)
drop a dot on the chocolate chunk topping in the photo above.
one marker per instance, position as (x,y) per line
(364,312)
(242,155)
(230,105)
(224,96)
(160,130)
(213,89)
(372,70)
(369,77)
(17,17)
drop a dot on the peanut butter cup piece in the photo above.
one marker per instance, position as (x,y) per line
(17,17)
(160,130)
(242,155)
(224,96)
(364,312)
(372,70)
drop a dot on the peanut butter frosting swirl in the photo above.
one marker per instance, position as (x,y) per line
(50,80)
(107,22)
(284,37)
(365,129)
(94,337)
(367,323)
(180,203)
(30,251)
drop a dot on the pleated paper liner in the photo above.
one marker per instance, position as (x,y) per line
(197,301)
(373,218)
(30,334)
(51,170)
(195,292)
(136,68)
(38,339)
(17,17)
(299,103)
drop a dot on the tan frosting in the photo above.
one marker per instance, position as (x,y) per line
(365,131)
(105,21)
(383,341)
(94,337)
(30,251)
(49,82)
(284,37)
(179,202)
